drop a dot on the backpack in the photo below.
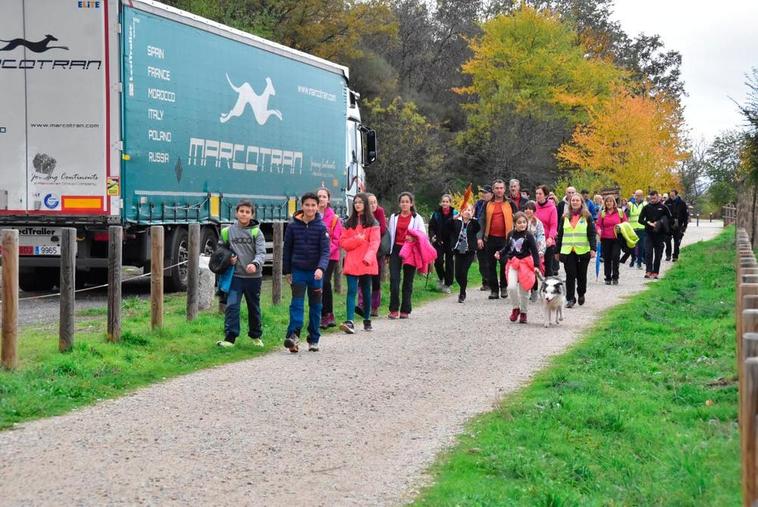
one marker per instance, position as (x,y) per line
(222,256)
(225,233)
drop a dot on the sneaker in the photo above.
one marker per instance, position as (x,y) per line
(503,293)
(461,297)
(257,342)
(581,300)
(367,325)
(312,347)
(654,276)
(359,311)
(393,315)
(494,295)
(446,289)
(348,327)
(327,321)
(674,259)
(668,259)
(607,282)
(639,266)
(570,303)
(522,318)
(224,344)
(291,343)
(514,314)
(375,312)
(533,296)
(404,315)
(615,281)
(484,288)
(648,275)
(440,285)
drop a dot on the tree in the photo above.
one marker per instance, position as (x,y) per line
(635,139)
(693,172)
(410,147)
(722,166)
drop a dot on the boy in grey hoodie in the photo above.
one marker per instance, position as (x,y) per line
(245,239)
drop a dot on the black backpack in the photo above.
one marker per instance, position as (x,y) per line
(220,259)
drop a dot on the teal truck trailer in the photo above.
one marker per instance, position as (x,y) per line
(135,113)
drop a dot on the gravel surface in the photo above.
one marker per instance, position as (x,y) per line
(355,424)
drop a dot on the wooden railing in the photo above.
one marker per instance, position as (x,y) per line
(729,214)
(747,362)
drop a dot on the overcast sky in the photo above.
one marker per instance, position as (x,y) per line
(718,41)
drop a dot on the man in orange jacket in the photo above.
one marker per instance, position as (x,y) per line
(496,222)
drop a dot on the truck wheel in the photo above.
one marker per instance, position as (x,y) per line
(208,241)
(178,251)
(38,279)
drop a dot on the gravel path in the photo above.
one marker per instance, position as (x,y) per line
(356,424)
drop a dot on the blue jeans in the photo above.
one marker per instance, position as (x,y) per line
(251,289)
(640,248)
(302,282)
(352,292)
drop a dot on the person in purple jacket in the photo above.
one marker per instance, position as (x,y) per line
(304,261)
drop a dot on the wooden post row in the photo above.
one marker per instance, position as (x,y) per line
(156,276)
(193,271)
(115,250)
(8,346)
(67,287)
(749,402)
(276,271)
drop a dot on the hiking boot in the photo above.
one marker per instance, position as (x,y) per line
(404,315)
(607,282)
(615,281)
(570,303)
(327,321)
(461,297)
(224,344)
(291,343)
(359,311)
(367,325)
(257,342)
(494,295)
(503,293)
(312,347)
(581,300)
(484,288)
(514,314)
(522,318)
(348,327)
(393,315)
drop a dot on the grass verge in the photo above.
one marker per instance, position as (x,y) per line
(642,411)
(49,383)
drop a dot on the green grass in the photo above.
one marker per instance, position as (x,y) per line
(643,411)
(48,383)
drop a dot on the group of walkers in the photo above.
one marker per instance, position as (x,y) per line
(514,239)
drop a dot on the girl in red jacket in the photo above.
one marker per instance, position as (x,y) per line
(360,240)
(607,220)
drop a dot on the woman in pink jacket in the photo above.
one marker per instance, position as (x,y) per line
(334,226)
(360,240)
(548,215)
(607,220)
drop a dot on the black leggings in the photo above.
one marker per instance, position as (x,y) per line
(327,296)
(397,268)
(576,274)
(443,265)
(611,256)
(462,265)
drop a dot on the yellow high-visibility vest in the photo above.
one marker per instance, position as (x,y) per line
(575,238)
(634,215)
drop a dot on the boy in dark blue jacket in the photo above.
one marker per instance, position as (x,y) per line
(306,256)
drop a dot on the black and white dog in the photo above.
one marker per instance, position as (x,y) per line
(552,295)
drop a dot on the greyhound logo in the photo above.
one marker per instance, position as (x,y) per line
(258,103)
(36,47)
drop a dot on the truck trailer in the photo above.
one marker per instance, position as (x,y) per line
(135,113)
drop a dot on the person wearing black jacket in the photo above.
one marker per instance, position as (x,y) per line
(463,242)
(681,218)
(439,233)
(657,220)
(576,248)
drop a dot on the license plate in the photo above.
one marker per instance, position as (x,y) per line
(39,241)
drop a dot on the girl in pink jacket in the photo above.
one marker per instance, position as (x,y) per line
(334,226)
(548,215)
(360,239)
(607,220)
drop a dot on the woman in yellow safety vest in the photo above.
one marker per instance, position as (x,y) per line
(576,244)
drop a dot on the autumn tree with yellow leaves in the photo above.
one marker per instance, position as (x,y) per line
(633,139)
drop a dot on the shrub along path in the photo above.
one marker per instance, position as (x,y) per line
(357,423)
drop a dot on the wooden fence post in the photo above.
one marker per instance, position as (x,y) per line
(337,283)
(115,250)
(193,271)
(8,350)
(67,286)
(156,276)
(749,401)
(276,270)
